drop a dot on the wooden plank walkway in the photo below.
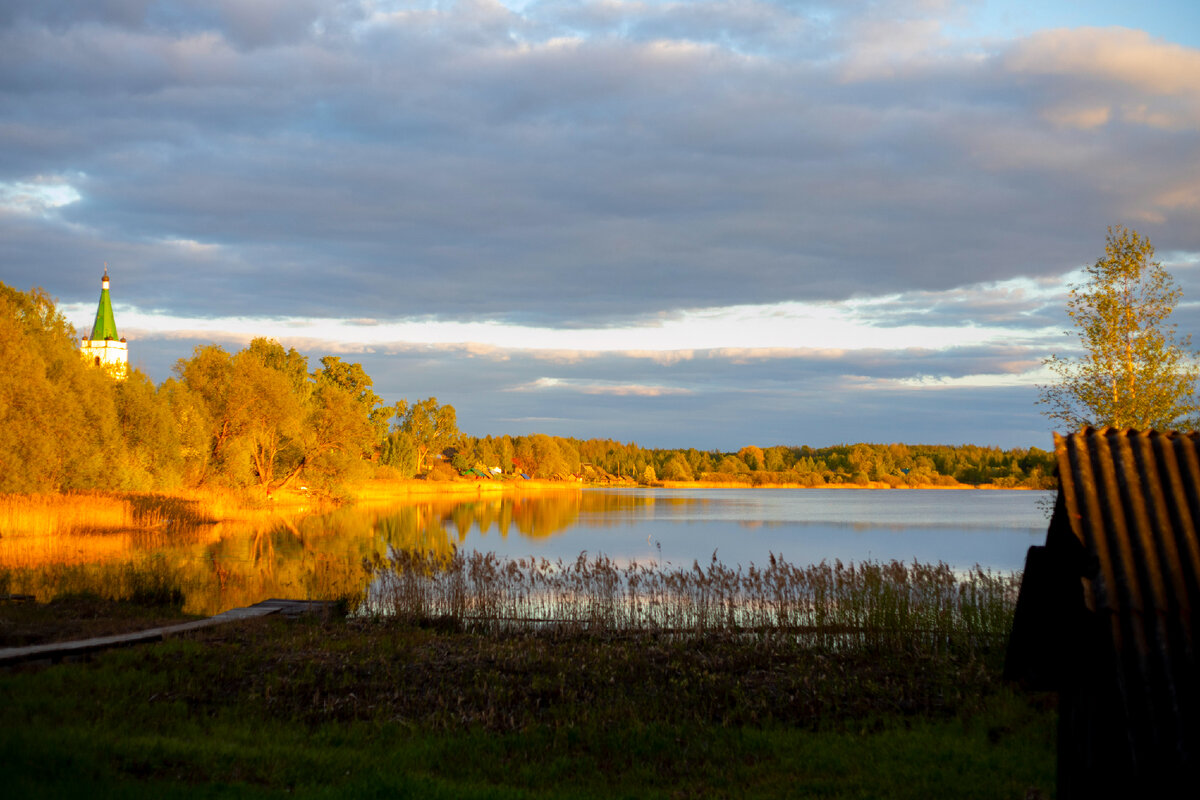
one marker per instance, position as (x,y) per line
(59,651)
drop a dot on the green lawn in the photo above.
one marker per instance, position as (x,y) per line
(366,709)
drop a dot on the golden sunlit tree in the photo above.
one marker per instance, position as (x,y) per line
(1133,372)
(269,420)
(432,427)
(58,417)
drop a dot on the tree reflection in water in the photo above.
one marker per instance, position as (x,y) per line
(315,556)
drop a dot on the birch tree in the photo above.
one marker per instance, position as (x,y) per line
(1133,372)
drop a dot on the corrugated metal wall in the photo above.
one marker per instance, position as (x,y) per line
(1131,712)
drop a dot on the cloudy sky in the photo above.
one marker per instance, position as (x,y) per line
(701,223)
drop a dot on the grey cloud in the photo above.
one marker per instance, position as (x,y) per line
(467,162)
(247,24)
(751,27)
(62,14)
(393,168)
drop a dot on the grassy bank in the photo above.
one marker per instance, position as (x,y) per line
(374,707)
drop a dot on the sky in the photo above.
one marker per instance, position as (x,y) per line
(685,224)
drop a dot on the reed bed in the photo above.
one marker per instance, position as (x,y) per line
(832,605)
(95,512)
(48,514)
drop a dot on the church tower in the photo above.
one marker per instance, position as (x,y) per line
(103,348)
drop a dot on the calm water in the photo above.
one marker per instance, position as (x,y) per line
(322,555)
(963,528)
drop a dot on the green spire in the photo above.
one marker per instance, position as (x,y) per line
(106,326)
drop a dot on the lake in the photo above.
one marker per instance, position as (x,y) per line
(232,564)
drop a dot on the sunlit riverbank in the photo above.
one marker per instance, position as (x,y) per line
(387,490)
(218,558)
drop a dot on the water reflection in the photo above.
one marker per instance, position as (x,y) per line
(315,556)
(427,525)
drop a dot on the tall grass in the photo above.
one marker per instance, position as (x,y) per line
(836,605)
(101,512)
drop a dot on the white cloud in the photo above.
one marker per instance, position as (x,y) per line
(1024,379)
(1121,55)
(38,196)
(955,320)
(192,247)
(600,387)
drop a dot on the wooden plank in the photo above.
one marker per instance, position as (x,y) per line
(57,651)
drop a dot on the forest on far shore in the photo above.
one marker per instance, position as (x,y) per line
(265,419)
(604,460)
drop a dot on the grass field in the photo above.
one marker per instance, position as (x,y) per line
(373,707)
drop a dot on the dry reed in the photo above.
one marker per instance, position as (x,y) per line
(32,515)
(835,605)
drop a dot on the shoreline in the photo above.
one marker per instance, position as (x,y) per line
(113,509)
(872,485)
(377,489)
(372,490)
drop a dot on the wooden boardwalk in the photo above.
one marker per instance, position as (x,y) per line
(60,651)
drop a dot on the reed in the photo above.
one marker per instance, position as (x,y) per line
(32,515)
(834,605)
(48,514)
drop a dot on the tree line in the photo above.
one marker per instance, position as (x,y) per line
(261,418)
(609,461)
(264,418)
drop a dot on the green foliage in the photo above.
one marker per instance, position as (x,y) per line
(432,427)
(752,457)
(59,424)
(269,421)
(677,468)
(542,456)
(268,398)
(732,464)
(356,382)
(253,418)
(895,464)
(1133,372)
(153,454)
(399,451)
